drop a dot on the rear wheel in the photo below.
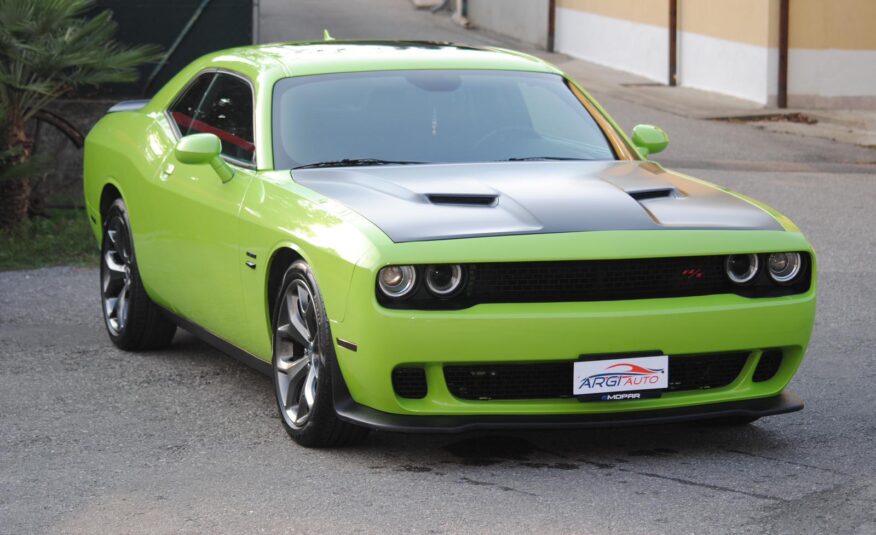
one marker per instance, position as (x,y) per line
(132,320)
(303,362)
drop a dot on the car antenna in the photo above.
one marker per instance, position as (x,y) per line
(326,36)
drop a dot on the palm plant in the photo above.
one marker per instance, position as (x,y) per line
(49,48)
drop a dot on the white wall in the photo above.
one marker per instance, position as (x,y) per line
(832,73)
(736,69)
(639,48)
(819,78)
(523,20)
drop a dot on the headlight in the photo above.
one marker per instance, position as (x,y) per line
(397,281)
(443,280)
(741,268)
(784,267)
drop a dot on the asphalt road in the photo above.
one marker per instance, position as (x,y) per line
(96,440)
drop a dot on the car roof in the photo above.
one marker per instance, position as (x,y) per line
(280,60)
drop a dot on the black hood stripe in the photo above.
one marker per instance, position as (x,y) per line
(416,202)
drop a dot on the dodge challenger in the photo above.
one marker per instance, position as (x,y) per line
(428,237)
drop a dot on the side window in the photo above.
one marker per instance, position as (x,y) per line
(185,110)
(224,109)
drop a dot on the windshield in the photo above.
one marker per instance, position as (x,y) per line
(369,118)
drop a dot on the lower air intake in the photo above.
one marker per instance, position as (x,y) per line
(552,380)
(768,365)
(409,382)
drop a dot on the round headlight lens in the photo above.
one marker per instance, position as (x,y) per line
(784,267)
(741,268)
(396,281)
(443,280)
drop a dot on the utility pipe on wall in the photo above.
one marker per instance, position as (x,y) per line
(552,24)
(784,19)
(673,42)
(460,14)
(256,19)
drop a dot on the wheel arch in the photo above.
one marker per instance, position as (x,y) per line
(109,192)
(281,258)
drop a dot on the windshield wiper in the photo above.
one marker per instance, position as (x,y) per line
(544,158)
(357,162)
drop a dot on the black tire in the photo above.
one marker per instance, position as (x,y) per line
(132,320)
(308,362)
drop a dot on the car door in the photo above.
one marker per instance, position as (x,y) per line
(200,226)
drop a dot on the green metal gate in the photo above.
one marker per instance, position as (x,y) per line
(185,30)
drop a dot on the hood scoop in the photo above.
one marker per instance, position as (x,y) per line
(464,199)
(652,193)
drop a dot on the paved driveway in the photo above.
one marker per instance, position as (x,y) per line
(96,440)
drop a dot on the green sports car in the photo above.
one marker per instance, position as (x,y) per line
(425,237)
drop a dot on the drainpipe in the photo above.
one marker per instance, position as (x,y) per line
(673,43)
(552,24)
(784,17)
(460,16)
(256,20)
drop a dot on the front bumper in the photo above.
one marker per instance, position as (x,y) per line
(552,332)
(352,412)
(561,332)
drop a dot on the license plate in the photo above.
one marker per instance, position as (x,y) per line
(620,378)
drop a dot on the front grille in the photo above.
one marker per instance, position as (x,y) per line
(554,379)
(598,280)
(409,382)
(768,365)
(594,280)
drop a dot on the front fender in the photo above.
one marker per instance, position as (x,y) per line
(278,215)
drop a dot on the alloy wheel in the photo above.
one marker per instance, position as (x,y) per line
(296,354)
(116,277)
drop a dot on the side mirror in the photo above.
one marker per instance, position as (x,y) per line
(199,149)
(649,139)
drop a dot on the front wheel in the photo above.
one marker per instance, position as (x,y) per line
(303,362)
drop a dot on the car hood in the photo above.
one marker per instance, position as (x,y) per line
(443,201)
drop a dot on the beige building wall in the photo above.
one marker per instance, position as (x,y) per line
(741,21)
(832,58)
(833,24)
(642,11)
(724,46)
(731,46)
